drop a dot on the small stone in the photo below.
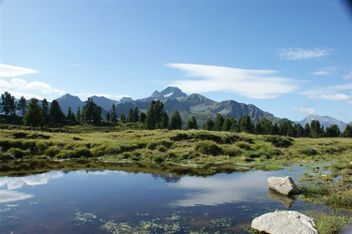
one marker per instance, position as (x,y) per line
(283,185)
(283,222)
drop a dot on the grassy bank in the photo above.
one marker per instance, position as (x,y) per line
(183,152)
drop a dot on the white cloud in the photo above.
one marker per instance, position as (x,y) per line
(252,83)
(327,71)
(28,89)
(14,71)
(341,92)
(305,110)
(348,76)
(303,53)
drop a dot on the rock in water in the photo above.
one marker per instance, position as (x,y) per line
(283,222)
(283,185)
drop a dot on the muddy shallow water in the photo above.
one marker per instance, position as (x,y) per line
(120,202)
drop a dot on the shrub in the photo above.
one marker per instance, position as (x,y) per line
(158,159)
(308,151)
(244,146)
(52,151)
(17,153)
(279,141)
(207,147)
(19,135)
(6,156)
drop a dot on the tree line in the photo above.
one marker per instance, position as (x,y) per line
(40,113)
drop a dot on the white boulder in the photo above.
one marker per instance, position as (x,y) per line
(283,185)
(283,222)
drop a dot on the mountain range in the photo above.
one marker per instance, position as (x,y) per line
(326,121)
(174,99)
(188,105)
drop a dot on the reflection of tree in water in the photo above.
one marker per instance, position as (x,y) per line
(169,178)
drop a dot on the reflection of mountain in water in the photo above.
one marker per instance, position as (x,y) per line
(169,178)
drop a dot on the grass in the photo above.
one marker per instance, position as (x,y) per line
(191,152)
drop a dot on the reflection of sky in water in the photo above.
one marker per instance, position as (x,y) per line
(223,188)
(119,196)
(12,196)
(12,183)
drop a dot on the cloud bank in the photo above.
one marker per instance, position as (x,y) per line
(28,89)
(302,53)
(252,83)
(14,71)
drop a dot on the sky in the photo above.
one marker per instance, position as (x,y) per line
(290,58)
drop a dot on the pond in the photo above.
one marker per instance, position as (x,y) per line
(121,202)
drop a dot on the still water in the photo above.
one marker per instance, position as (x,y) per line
(121,202)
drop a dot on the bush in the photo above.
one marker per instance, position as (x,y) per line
(279,141)
(158,159)
(210,148)
(52,151)
(244,146)
(308,151)
(17,153)
(6,156)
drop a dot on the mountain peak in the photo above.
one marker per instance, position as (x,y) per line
(172,92)
(326,121)
(68,96)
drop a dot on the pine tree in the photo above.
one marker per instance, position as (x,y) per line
(33,116)
(154,115)
(219,122)
(333,131)
(306,132)
(227,124)
(192,123)
(142,117)
(299,130)
(22,106)
(70,117)
(348,131)
(209,125)
(130,116)
(45,111)
(113,116)
(7,104)
(78,115)
(123,118)
(92,112)
(135,114)
(246,124)
(57,117)
(175,121)
(315,129)
(164,124)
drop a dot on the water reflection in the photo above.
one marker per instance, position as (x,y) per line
(12,183)
(222,188)
(12,196)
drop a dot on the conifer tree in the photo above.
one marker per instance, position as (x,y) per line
(33,116)
(22,106)
(57,117)
(175,121)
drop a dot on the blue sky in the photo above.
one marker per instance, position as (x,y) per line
(290,58)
